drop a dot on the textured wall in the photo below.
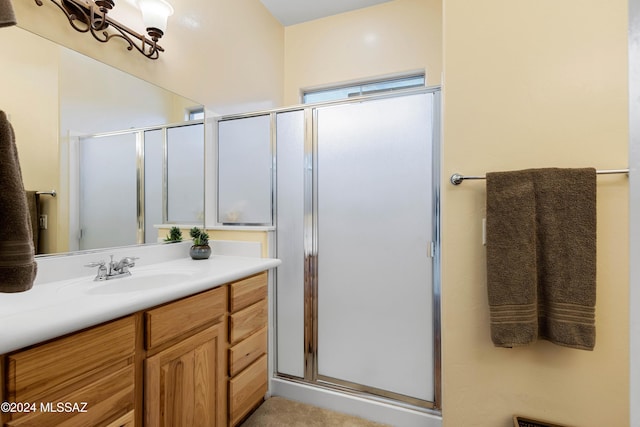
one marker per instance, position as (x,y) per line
(533,84)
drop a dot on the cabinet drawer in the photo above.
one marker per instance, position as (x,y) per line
(245,292)
(247,390)
(127,420)
(247,351)
(246,322)
(99,403)
(173,320)
(52,370)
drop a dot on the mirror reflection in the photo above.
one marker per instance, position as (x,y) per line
(123,156)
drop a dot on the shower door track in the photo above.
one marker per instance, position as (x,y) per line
(364,392)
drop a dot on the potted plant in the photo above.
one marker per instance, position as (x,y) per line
(175,235)
(200,248)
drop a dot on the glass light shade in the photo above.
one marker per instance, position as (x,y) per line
(155,13)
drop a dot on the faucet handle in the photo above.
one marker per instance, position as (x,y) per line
(102,270)
(96,264)
(131,260)
(123,265)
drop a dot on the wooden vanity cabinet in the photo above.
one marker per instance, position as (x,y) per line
(197,361)
(198,371)
(184,380)
(248,372)
(87,378)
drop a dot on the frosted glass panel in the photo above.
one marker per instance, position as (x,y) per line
(374,192)
(108,214)
(153,154)
(185,174)
(290,275)
(244,171)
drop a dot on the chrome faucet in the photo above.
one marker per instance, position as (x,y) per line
(113,270)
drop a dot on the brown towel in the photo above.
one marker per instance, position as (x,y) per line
(511,258)
(566,213)
(17,265)
(7,16)
(559,249)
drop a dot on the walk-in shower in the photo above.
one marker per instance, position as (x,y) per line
(355,199)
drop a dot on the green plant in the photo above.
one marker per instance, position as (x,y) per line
(200,238)
(175,235)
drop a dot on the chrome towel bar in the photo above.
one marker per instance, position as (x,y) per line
(456,178)
(51,193)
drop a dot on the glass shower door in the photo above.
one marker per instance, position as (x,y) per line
(373,192)
(108,200)
(185,174)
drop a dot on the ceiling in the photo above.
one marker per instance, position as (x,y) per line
(291,12)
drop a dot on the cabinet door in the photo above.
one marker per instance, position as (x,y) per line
(184,384)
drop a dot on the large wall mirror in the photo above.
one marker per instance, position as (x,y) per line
(123,156)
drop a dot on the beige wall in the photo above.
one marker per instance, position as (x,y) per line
(395,37)
(30,97)
(261,237)
(227,55)
(533,84)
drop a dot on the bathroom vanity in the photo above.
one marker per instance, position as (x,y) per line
(198,360)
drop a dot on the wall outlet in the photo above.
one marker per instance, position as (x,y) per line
(43,222)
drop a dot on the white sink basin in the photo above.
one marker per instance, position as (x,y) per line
(138,281)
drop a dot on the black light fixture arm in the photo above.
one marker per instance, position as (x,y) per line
(92,16)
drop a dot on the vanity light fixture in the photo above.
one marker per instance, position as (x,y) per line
(92,16)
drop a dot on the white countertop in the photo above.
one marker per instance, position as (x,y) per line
(59,307)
